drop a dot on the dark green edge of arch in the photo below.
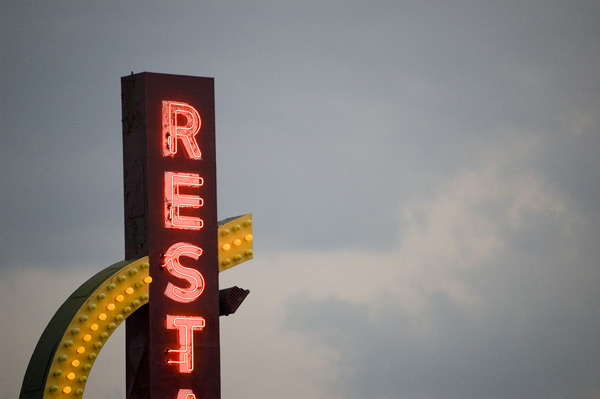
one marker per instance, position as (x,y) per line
(36,375)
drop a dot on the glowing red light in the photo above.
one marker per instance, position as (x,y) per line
(172,114)
(192,276)
(186,394)
(175,200)
(185,326)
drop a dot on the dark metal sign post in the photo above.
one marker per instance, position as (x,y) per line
(172,344)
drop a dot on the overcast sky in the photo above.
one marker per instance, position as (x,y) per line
(424,178)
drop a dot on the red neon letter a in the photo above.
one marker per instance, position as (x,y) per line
(173,130)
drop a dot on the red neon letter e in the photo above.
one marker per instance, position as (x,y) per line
(175,200)
(172,113)
(192,276)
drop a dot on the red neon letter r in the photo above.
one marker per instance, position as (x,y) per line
(172,114)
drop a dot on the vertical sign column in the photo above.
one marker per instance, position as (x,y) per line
(172,345)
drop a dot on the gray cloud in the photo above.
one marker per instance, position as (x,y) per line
(535,337)
(488,295)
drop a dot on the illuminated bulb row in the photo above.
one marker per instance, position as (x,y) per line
(234,226)
(235,242)
(96,320)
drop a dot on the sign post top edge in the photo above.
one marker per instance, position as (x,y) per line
(157,75)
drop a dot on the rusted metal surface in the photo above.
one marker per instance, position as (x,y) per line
(147,339)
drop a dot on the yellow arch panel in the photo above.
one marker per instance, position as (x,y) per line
(105,309)
(235,241)
(66,351)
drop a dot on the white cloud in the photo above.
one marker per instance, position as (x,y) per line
(456,272)
(464,226)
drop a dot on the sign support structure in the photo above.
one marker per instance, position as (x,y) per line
(174,250)
(172,344)
(166,291)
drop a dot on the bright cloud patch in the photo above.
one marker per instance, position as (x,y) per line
(461,308)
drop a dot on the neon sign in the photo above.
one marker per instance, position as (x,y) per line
(170,180)
(172,345)
(175,184)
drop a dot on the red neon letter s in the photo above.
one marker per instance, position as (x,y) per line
(175,200)
(192,276)
(172,111)
(185,327)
